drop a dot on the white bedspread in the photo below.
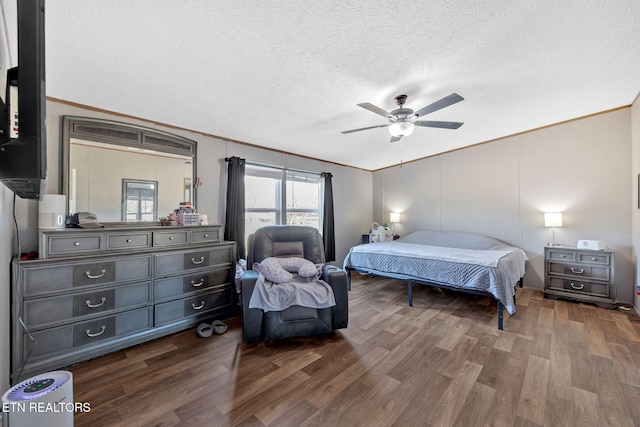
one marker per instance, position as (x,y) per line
(269,296)
(487,258)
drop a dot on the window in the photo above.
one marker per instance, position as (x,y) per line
(139,200)
(279,196)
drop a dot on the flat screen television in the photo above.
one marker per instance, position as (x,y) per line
(23,132)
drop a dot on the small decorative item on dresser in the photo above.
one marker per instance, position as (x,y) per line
(580,275)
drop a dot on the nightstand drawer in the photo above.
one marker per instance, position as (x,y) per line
(595,258)
(579,270)
(561,255)
(578,286)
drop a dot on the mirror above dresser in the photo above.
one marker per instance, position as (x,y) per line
(125,173)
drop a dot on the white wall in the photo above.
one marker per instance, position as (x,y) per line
(502,188)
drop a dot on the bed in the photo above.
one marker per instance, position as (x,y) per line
(460,261)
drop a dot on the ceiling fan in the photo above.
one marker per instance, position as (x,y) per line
(402,120)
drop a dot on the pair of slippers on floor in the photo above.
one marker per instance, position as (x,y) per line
(205,330)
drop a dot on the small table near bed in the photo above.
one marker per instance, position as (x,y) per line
(460,261)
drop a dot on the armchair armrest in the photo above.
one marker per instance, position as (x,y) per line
(337,279)
(251,317)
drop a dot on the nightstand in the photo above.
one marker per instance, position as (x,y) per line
(365,238)
(580,275)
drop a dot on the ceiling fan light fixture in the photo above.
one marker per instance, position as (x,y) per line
(401,129)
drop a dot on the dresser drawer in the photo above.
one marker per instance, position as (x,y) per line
(595,258)
(128,241)
(60,277)
(94,273)
(206,235)
(70,245)
(178,262)
(65,338)
(180,285)
(580,270)
(47,311)
(169,238)
(580,286)
(176,310)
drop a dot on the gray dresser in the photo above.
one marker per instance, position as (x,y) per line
(580,275)
(96,291)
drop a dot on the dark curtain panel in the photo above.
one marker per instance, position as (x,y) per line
(328,230)
(234,218)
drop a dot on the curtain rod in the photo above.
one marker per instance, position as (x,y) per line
(227,159)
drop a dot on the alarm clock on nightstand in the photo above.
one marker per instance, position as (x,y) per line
(594,245)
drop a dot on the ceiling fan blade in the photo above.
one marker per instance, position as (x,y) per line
(444,102)
(444,125)
(374,109)
(395,138)
(370,127)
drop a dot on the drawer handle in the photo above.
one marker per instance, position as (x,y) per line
(196,285)
(102,273)
(594,259)
(206,235)
(562,256)
(170,237)
(200,307)
(577,287)
(76,243)
(575,271)
(128,240)
(95,334)
(198,262)
(88,302)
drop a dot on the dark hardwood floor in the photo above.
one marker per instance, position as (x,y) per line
(442,362)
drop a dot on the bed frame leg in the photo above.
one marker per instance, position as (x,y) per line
(410,288)
(348,279)
(500,315)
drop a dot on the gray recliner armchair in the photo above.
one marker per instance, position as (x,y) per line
(295,321)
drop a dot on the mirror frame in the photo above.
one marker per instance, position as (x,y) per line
(127,135)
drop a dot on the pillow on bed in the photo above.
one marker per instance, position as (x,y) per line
(273,271)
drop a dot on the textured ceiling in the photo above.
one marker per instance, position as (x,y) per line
(288,74)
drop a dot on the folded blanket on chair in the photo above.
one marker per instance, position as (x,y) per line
(269,296)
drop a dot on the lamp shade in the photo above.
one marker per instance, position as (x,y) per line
(394,217)
(553,219)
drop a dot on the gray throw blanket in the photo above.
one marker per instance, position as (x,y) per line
(299,291)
